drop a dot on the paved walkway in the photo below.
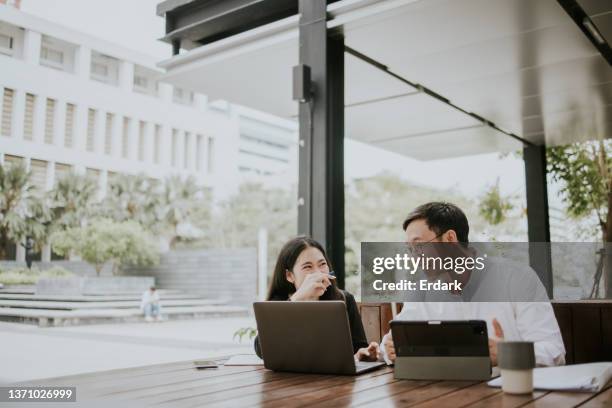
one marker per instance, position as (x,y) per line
(28,352)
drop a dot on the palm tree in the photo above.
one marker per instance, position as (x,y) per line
(72,200)
(135,198)
(21,212)
(183,202)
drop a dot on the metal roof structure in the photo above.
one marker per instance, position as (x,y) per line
(428,79)
(513,69)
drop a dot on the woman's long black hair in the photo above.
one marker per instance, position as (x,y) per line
(280,287)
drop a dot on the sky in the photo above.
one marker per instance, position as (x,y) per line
(135,25)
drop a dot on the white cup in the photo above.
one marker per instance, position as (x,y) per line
(516,360)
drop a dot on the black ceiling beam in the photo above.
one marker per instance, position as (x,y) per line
(433,94)
(206,21)
(582,20)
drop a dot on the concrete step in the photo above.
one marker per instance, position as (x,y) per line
(130,304)
(46,317)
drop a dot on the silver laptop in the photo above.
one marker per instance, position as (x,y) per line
(307,337)
(441,350)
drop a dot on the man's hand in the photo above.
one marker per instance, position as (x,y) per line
(370,353)
(313,286)
(389,347)
(499,334)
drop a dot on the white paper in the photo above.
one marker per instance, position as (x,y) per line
(578,377)
(244,360)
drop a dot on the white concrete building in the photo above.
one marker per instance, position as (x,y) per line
(70,101)
(267,145)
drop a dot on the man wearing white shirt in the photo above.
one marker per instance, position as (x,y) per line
(150,305)
(520,320)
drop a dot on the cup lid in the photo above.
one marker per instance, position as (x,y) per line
(515,355)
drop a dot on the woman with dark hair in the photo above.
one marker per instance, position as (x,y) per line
(302,273)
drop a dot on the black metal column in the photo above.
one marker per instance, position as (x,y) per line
(538,228)
(321,156)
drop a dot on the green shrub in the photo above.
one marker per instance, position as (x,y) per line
(25,276)
(16,278)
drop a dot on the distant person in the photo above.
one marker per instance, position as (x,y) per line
(302,273)
(150,305)
(29,251)
(521,320)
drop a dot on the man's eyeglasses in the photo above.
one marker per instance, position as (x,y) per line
(418,247)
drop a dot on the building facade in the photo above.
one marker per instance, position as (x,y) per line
(73,102)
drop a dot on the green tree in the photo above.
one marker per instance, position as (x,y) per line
(493,207)
(136,198)
(73,200)
(22,212)
(376,207)
(184,205)
(585,173)
(104,241)
(239,218)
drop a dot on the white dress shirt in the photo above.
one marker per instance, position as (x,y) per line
(511,283)
(149,297)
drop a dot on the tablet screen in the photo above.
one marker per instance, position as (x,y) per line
(445,338)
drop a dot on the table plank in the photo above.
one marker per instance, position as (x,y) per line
(272,393)
(461,397)
(603,399)
(112,375)
(180,385)
(409,398)
(255,393)
(219,385)
(357,384)
(373,394)
(508,400)
(190,379)
(560,399)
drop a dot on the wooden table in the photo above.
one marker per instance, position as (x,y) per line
(180,385)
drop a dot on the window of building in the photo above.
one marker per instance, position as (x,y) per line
(68,136)
(125,138)
(186,151)
(99,70)
(38,174)
(199,152)
(108,133)
(51,57)
(93,174)
(91,129)
(259,141)
(141,140)
(182,96)
(7,112)
(141,83)
(174,147)
(145,80)
(61,171)
(6,44)
(57,54)
(104,68)
(210,155)
(156,147)
(263,156)
(49,121)
(28,120)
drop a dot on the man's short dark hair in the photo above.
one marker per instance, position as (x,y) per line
(441,217)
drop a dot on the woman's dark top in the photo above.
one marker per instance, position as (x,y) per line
(357,332)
